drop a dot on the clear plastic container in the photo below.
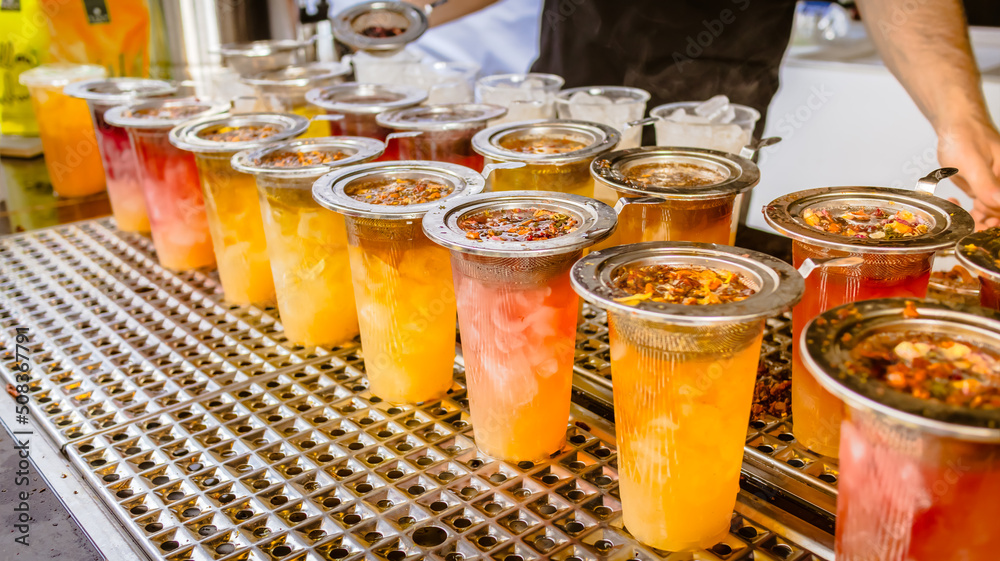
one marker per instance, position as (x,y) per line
(168,177)
(446,131)
(615,106)
(881,267)
(556,154)
(353,107)
(128,205)
(400,68)
(307,243)
(231,201)
(284,90)
(65,127)
(683,380)
(402,280)
(511,254)
(919,470)
(951,282)
(449,82)
(673,130)
(526,96)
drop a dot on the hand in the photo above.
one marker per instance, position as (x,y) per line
(973,147)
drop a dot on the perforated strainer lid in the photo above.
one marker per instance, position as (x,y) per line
(118,90)
(300,158)
(299,76)
(445,116)
(334,189)
(594,221)
(675,173)
(777,285)
(356,98)
(946,221)
(584,141)
(829,339)
(379,26)
(192,136)
(980,252)
(162,113)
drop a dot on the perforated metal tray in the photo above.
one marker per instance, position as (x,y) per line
(210,437)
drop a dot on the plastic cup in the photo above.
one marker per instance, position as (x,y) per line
(400,68)
(307,243)
(919,472)
(446,131)
(284,90)
(683,384)
(979,252)
(353,107)
(65,127)
(168,178)
(556,154)
(448,82)
(881,268)
(402,280)
(517,315)
(728,137)
(231,201)
(675,194)
(128,205)
(526,96)
(615,106)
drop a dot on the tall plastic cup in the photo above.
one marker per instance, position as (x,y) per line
(284,90)
(674,127)
(446,131)
(307,243)
(511,253)
(920,445)
(980,252)
(65,127)
(615,106)
(231,200)
(353,107)
(402,280)
(526,96)
(686,323)
(127,202)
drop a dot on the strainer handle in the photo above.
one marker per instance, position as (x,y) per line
(750,150)
(810,264)
(488,169)
(625,201)
(238,107)
(928,183)
(428,8)
(640,123)
(336,117)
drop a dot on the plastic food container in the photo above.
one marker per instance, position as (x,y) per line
(402,280)
(979,253)
(511,254)
(526,96)
(284,90)
(446,131)
(684,369)
(127,201)
(675,194)
(307,243)
(65,127)
(168,178)
(353,107)
(878,267)
(231,200)
(674,130)
(556,154)
(255,57)
(615,106)
(920,460)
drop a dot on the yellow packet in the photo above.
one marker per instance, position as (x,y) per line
(111,33)
(24,44)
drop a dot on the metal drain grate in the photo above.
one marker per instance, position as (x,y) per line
(771,453)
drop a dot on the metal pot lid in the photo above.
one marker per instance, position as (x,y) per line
(118,90)
(267,160)
(829,338)
(262,48)
(778,285)
(299,76)
(980,252)
(445,116)
(189,136)
(162,113)
(333,189)
(379,26)
(684,173)
(595,139)
(356,98)
(947,222)
(596,221)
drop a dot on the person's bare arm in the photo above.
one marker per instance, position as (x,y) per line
(925,44)
(453,9)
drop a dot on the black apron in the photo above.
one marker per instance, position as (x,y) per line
(684,50)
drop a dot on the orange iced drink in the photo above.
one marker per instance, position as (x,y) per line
(231,201)
(307,243)
(65,127)
(686,323)
(402,281)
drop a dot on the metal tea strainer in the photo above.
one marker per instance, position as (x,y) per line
(381,28)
